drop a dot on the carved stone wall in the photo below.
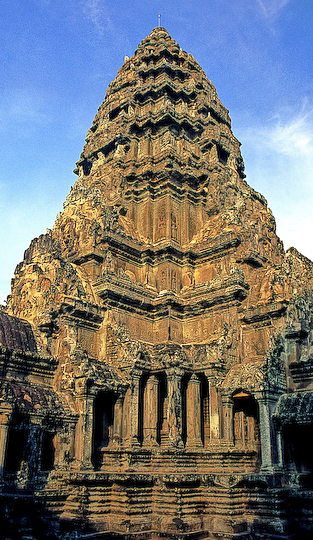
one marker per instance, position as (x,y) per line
(156,348)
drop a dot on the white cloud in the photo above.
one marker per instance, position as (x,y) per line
(96,13)
(279,163)
(289,132)
(270,8)
(294,136)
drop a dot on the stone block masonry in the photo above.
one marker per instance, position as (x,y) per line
(156,350)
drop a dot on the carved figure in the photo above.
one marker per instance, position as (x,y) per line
(108,263)
(174,281)
(174,409)
(173,227)
(161,225)
(134,412)
(163,280)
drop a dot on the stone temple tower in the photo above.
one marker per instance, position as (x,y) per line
(156,350)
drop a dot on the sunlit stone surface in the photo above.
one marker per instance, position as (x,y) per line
(156,350)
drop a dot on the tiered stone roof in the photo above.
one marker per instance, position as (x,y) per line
(169,321)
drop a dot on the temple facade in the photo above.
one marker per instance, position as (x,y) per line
(156,350)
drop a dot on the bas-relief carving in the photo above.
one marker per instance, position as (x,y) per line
(174,228)
(188,279)
(218,351)
(163,280)
(182,328)
(108,264)
(174,283)
(174,410)
(149,280)
(80,375)
(264,375)
(161,225)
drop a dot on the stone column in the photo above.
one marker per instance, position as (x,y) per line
(174,410)
(185,220)
(134,410)
(228,419)
(193,412)
(168,218)
(118,421)
(280,453)
(293,349)
(164,430)
(64,441)
(239,429)
(266,433)
(150,411)
(5,418)
(134,149)
(34,446)
(126,418)
(251,442)
(83,434)
(214,413)
(30,465)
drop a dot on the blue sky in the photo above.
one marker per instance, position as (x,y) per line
(58,58)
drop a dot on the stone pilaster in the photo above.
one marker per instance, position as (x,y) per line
(118,421)
(134,415)
(228,419)
(280,453)
(165,430)
(83,434)
(267,435)
(34,446)
(64,447)
(126,418)
(193,413)
(174,410)
(214,407)
(251,431)
(150,412)
(5,417)
(30,465)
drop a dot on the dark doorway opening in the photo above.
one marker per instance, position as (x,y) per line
(297,447)
(17,441)
(103,418)
(246,421)
(47,452)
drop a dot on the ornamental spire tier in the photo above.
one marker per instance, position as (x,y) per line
(171,327)
(160,215)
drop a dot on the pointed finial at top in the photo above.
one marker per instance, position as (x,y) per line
(159,20)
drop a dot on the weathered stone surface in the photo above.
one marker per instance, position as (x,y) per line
(16,334)
(157,345)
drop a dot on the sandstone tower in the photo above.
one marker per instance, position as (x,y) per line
(156,351)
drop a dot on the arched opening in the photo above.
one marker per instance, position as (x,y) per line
(47,452)
(246,421)
(297,452)
(103,418)
(222,154)
(17,442)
